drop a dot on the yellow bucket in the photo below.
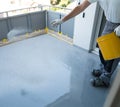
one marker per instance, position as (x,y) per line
(109,45)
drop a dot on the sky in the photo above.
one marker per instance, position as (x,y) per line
(6,4)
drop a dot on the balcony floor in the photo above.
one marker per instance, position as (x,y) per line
(46,72)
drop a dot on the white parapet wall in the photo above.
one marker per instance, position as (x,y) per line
(83,27)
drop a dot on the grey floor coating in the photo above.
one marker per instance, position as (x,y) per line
(46,72)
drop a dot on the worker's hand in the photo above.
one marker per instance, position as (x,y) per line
(117,31)
(56,22)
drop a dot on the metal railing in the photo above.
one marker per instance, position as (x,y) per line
(35,18)
(14,12)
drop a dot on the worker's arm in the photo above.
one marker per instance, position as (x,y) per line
(77,10)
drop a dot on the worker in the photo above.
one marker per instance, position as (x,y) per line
(111,10)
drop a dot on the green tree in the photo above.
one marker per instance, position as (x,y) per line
(55,2)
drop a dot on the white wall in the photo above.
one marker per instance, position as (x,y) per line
(84,27)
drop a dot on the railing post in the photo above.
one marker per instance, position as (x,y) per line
(7,14)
